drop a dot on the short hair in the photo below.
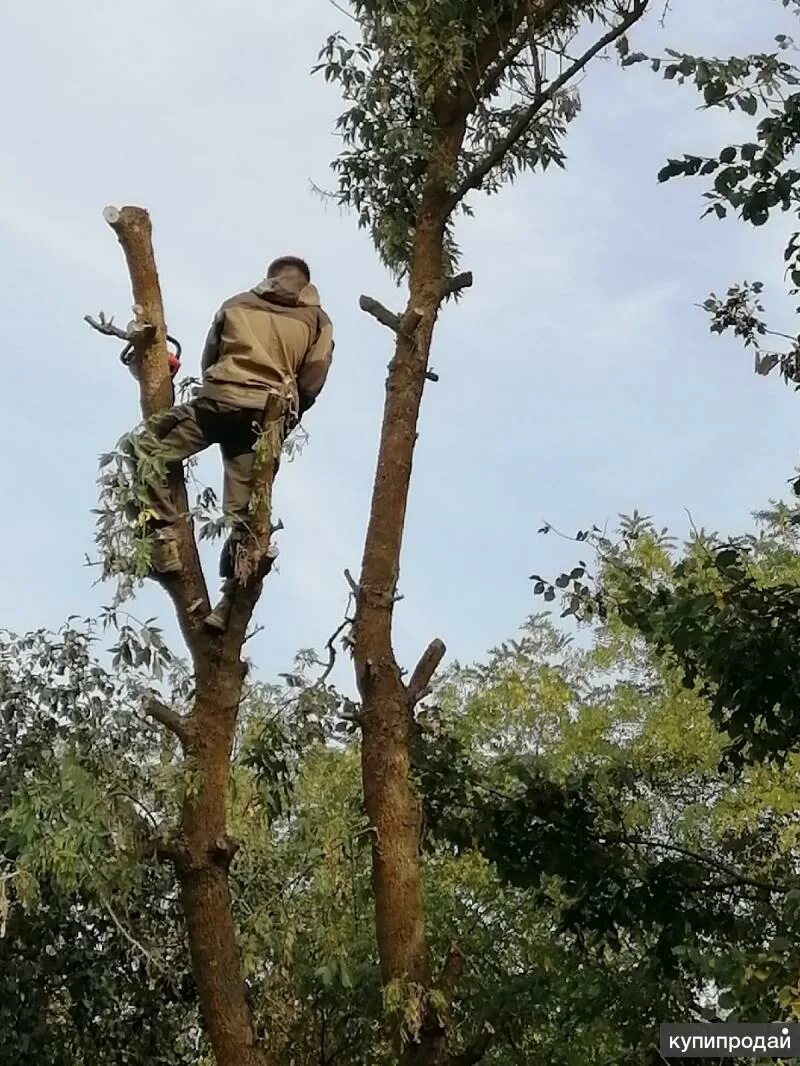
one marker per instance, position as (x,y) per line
(288,261)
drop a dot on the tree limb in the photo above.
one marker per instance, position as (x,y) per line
(331,646)
(706,860)
(519,127)
(451,286)
(351,581)
(135,232)
(382,314)
(106,326)
(493,74)
(424,670)
(151,961)
(176,723)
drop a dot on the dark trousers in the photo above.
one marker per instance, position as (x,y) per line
(192,427)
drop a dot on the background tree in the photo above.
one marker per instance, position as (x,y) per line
(443,100)
(580,845)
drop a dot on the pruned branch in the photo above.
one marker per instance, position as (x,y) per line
(176,723)
(451,286)
(424,670)
(133,229)
(410,320)
(475,178)
(404,324)
(380,313)
(224,849)
(134,232)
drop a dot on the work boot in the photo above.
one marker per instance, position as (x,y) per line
(220,616)
(165,556)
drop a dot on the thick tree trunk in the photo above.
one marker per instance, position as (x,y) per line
(388,704)
(205,853)
(202,850)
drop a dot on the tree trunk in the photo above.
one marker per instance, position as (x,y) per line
(202,851)
(388,704)
(204,856)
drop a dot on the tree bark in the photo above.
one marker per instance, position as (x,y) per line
(133,228)
(392,805)
(388,704)
(202,851)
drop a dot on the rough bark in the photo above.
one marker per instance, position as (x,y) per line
(392,805)
(134,231)
(391,802)
(202,851)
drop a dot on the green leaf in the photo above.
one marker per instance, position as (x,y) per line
(748,103)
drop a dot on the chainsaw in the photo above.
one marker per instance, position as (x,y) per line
(173,356)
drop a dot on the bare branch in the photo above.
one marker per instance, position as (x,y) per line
(253,633)
(130,937)
(331,646)
(106,327)
(351,581)
(382,314)
(424,670)
(133,229)
(171,720)
(520,126)
(134,232)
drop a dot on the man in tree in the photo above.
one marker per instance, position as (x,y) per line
(264,363)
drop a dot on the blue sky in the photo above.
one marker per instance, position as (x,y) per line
(578,379)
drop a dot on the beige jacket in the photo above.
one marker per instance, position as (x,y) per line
(274,338)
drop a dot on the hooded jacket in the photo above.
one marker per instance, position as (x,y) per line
(275,338)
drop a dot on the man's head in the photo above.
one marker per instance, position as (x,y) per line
(289,264)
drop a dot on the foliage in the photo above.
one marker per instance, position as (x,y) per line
(395,75)
(581,849)
(726,612)
(674,885)
(755,179)
(92,967)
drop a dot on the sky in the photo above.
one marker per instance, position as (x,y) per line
(578,379)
